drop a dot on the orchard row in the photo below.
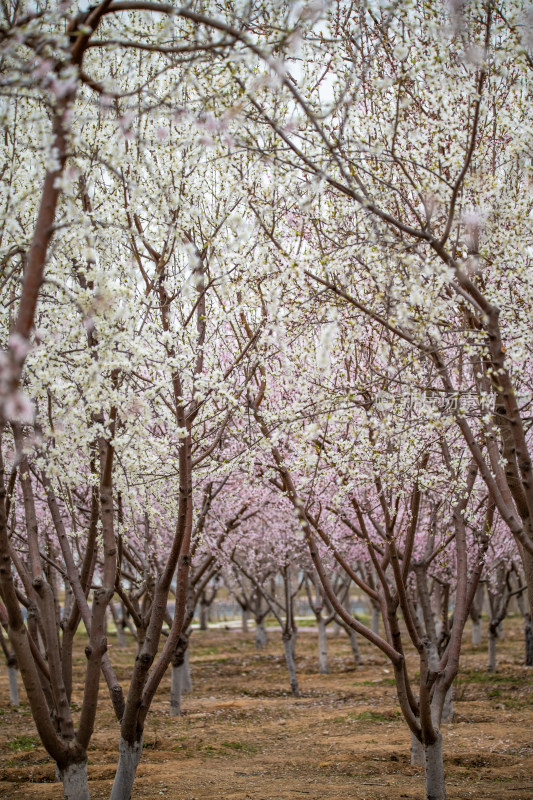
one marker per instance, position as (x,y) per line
(267,289)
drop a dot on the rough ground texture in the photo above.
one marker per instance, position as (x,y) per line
(242,735)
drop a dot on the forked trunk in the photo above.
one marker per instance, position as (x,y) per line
(448,711)
(75,782)
(176,689)
(528,633)
(260,635)
(288,647)
(492,651)
(128,761)
(323,667)
(417,752)
(12,672)
(477,632)
(434,767)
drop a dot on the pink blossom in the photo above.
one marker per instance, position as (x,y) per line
(20,347)
(290,127)
(124,124)
(61,88)
(19,408)
(43,67)
(5,372)
(209,123)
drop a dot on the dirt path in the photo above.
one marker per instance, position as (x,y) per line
(242,736)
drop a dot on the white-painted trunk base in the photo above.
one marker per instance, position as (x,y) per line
(291,666)
(13,686)
(293,642)
(323,666)
(417,752)
(128,761)
(187,680)
(477,632)
(122,642)
(434,767)
(176,689)
(75,783)
(448,711)
(355,647)
(261,638)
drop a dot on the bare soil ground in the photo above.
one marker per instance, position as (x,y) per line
(243,736)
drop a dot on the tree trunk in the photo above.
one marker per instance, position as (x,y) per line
(448,712)
(176,689)
(528,632)
(260,635)
(492,651)
(120,626)
(181,676)
(375,619)
(187,681)
(122,641)
(127,623)
(323,667)
(417,752)
(203,617)
(288,646)
(355,647)
(294,636)
(12,672)
(434,767)
(75,782)
(128,761)
(477,632)
(527,560)
(245,618)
